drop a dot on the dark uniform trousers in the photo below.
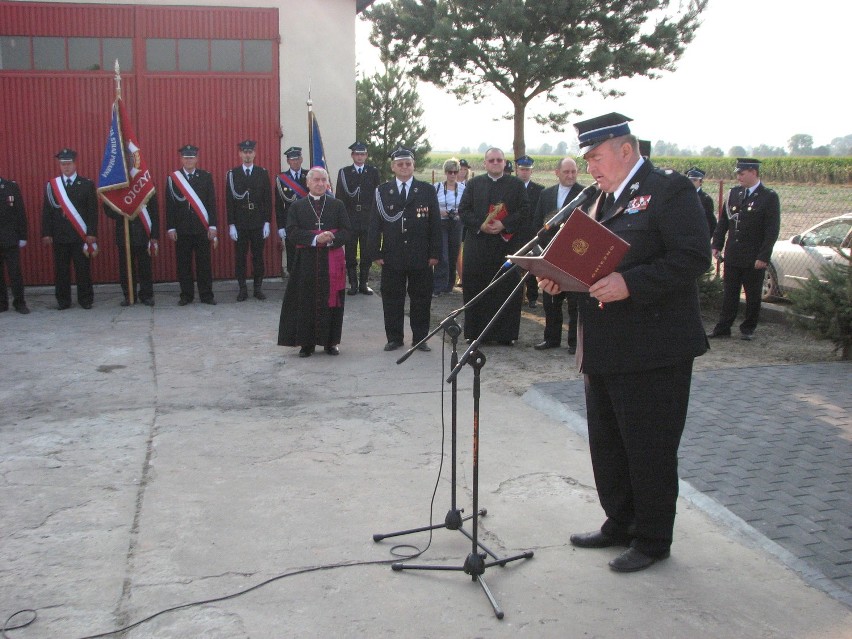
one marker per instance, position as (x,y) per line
(11,262)
(143,275)
(188,245)
(553,317)
(635,422)
(750,279)
(249,238)
(64,255)
(419,289)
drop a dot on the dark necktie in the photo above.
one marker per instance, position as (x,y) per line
(402,193)
(67,182)
(248,172)
(607,205)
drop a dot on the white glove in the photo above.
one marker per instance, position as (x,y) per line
(282,233)
(22,243)
(233,231)
(265,230)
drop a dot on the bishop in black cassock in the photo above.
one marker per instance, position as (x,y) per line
(312,310)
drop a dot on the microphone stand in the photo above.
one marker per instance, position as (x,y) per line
(475,563)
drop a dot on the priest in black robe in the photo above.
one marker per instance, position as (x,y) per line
(495,214)
(312,310)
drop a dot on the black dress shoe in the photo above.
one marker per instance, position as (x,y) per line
(424,347)
(392,346)
(147,301)
(332,350)
(306,351)
(543,346)
(210,301)
(632,560)
(242,296)
(747,336)
(365,290)
(597,539)
(353,290)
(572,349)
(183,301)
(718,333)
(125,302)
(63,307)
(22,309)
(87,305)
(259,295)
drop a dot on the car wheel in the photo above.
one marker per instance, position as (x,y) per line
(771,289)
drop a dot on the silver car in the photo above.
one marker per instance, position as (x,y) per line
(794,260)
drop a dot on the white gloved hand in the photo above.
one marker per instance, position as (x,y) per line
(265,230)
(233,231)
(22,243)
(282,233)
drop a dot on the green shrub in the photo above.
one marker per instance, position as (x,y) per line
(825,308)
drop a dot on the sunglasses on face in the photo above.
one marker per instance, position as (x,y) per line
(451,172)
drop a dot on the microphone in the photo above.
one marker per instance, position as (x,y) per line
(566,210)
(535,250)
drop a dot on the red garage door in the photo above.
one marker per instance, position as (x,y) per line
(206,76)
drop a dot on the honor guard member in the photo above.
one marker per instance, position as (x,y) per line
(13,237)
(191,223)
(509,168)
(697,176)
(69,223)
(640,330)
(290,186)
(751,221)
(356,188)
(645,149)
(552,199)
(144,244)
(248,199)
(405,239)
(524,165)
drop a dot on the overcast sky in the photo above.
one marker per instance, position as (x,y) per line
(757,72)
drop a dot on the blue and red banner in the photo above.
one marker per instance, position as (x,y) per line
(124,181)
(317,152)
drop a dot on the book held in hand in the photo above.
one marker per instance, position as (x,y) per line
(582,252)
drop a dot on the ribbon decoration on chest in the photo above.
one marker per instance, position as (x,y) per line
(189,195)
(59,199)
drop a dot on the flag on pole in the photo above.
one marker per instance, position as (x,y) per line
(124,181)
(317,153)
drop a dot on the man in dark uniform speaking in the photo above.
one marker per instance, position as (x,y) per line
(751,220)
(640,331)
(405,239)
(248,198)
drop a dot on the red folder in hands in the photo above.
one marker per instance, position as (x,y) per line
(582,252)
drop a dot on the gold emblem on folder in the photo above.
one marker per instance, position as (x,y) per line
(580,246)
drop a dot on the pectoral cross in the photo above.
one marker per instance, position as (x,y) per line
(319,224)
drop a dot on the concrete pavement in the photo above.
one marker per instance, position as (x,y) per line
(156,457)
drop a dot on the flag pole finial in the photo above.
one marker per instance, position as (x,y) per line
(117,79)
(309,102)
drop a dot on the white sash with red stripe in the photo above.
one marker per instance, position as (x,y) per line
(61,200)
(189,193)
(145,218)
